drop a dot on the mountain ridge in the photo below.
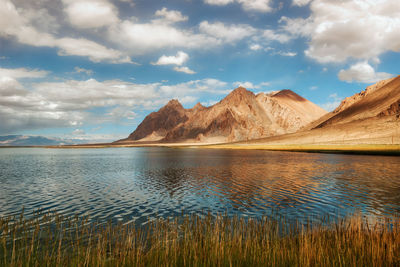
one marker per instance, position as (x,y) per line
(241,115)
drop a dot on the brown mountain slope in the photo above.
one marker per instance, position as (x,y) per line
(350,101)
(370,103)
(241,115)
(289,110)
(369,117)
(156,125)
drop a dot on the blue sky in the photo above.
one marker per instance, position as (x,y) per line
(93,69)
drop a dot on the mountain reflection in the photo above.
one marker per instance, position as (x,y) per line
(141,183)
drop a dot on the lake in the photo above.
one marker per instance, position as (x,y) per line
(139,184)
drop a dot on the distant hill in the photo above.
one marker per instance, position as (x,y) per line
(241,115)
(24,140)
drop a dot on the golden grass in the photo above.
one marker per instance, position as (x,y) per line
(52,240)
(362,149)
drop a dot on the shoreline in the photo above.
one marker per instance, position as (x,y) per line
(360,149)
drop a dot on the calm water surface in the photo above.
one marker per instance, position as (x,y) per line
(142,183)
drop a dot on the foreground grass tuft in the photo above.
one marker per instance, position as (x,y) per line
(52,240)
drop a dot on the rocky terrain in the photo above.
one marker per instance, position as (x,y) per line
(369,117)
(241,115)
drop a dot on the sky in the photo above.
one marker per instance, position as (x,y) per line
(93,69)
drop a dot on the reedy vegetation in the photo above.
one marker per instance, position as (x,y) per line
(53,240)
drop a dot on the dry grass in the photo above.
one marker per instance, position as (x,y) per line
(342,148)
(52,240)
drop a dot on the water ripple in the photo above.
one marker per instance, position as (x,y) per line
(138,184)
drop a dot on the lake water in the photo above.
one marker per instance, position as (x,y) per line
(138,184)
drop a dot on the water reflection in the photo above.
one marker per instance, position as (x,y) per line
(141,183)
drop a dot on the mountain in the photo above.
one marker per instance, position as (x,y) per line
(24,140)
(241,115)
(369,117)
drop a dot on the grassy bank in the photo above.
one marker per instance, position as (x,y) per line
(52,240)
(373,149)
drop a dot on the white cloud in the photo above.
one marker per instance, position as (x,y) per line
(94,51)
(72,103)
(22,73)
(250,85)
(247,85)
(301,2)
(78,132)
(255,47)
(362,72)
(83,70)
(287,54)
(197,86)
(262,6)
(184,70)
(218,2)
(170,16)
(274,36)
(143,38)
(229,33)
(13,24)
(340,30)
(10,87)
(121,112)
(90,13)
(179,59)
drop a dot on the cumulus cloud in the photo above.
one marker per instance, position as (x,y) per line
(94,51)
(83,70)
(255,47)
(286,53)
(362,72)
(140,38)
(272,35)
(301,2)
(78,132)
(75,103)
(179,59)
(340,30)
(218,2)
(262,6)
(229,33)
(14,25)
(197,86)
(170,16)
(90,13)
(38,23)
(22,73)
(250,85)
(184,70)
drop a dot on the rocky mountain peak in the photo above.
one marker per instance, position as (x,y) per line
(198,106)
(239,116)
(174,103)
(286,93)
(238,95)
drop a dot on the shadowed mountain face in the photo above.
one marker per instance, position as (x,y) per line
(241,115)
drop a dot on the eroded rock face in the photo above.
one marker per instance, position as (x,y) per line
(378,100)
(241,115)
(348,101)
(393,109)
(159,123)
